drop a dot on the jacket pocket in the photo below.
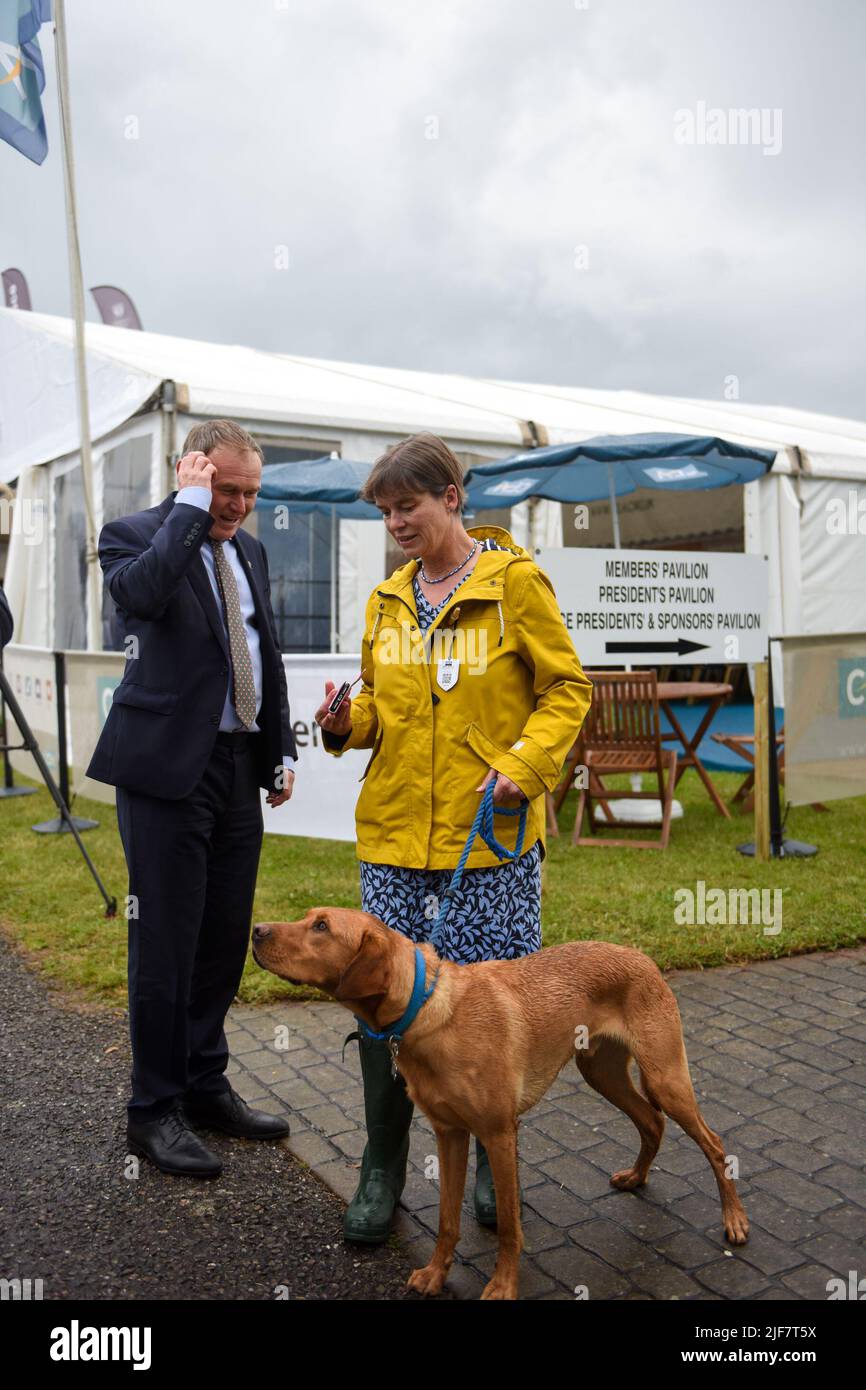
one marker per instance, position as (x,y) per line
(377,744)
(145,697)
(481,744)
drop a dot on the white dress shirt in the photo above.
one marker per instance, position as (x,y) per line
(201,497)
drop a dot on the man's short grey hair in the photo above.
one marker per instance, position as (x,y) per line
(211,434)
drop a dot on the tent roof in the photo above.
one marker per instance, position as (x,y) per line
(38,410)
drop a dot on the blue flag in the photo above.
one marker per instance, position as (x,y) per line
(22,76)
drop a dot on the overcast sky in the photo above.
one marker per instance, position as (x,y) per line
(555,230)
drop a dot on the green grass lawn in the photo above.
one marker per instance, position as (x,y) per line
(50,907)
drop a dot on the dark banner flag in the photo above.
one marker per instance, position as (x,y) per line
(15,292)
(116,307)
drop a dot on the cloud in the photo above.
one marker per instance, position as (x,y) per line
(491,188)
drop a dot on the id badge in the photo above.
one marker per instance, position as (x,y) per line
(447,672)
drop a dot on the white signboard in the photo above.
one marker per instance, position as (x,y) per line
(91,680)
(825,717)
(326,788)
(30,673)
(664,607)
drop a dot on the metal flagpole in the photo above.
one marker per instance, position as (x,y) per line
(94,617)
(334,534)
(614,514)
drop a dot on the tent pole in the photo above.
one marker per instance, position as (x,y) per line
(614,514)
(168,411)
(333,578)
(94,615)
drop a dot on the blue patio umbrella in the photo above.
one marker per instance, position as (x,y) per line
(612,465)
(330,485)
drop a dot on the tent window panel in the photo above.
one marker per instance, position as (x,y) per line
(70,562)
(125,490)
(299,563)
(126,478)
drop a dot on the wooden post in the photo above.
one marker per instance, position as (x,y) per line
(762,783)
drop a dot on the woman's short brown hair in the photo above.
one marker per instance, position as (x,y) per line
(421,463)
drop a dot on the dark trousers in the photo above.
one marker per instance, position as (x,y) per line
(192,874)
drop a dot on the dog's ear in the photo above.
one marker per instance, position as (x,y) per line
(368,972)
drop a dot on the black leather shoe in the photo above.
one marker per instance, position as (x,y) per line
(170,1143)
(225,1111)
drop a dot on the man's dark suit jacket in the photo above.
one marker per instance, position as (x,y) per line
(166,712)
(6,625)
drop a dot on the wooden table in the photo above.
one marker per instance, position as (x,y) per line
(716,692)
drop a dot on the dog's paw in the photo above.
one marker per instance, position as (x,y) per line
(627,1179)
(428,1280)
(500,1288)
(737,1227)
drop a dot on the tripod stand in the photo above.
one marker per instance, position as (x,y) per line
(33,748)
(8,788)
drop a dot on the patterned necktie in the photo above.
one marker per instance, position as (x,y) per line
(242,666)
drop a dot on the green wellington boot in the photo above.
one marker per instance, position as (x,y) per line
(485,1193)
(388,1111)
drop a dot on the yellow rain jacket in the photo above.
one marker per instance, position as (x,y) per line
(517,705)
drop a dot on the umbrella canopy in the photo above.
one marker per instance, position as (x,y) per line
(613,465)
(330,485)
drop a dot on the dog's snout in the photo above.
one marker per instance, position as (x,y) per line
(260,931)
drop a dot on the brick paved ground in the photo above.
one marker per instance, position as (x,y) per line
(778,1057)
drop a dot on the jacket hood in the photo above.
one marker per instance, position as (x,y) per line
(490,563)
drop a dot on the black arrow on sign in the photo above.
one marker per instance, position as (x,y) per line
(682,646)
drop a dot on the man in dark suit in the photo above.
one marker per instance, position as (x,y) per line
(6,624)
(199,722)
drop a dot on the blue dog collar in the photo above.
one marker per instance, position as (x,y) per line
(418,998)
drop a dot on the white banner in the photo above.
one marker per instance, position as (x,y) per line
(30,673)
(663,607)
(825,717)
(91,679)
(326,788)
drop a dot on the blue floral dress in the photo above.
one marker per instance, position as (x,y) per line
(495,913)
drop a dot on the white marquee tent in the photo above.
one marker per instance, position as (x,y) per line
(146,389)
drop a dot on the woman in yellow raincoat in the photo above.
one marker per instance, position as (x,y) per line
(468,676)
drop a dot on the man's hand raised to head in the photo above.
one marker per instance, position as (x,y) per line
(195,470)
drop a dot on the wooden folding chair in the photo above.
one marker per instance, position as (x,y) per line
(553,800)
(622,734)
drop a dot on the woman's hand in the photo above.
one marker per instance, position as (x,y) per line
(505,789)
(339,723)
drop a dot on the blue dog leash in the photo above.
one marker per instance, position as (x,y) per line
(483,826)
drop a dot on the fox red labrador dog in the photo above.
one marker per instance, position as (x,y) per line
(490,1040)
